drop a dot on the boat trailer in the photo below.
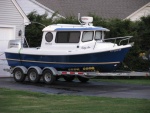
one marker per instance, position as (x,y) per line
(50,74)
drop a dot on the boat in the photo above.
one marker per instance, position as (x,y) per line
(71,47)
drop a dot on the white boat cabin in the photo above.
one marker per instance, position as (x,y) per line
(72,37)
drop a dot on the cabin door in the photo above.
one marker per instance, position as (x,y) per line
(87,40)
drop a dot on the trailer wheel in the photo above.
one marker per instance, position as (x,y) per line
(82,79)
(33,76)
(18,75)
(48,77)
(69,78)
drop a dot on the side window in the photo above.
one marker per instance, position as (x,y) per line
(98,35)
(68,37)
(62,37)
(87,36)
(49,37)
(74,37)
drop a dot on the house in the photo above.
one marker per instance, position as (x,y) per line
(122,9)
(143,11)
(32,5)
(12,23)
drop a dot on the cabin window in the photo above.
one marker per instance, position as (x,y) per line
(68,37)
(87,36)
(74,37)
(49,37)
(98,35)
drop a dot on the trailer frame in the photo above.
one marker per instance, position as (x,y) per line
(49,74)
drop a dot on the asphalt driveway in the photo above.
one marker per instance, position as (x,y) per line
(102,89)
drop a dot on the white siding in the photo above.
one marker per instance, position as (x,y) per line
(9,15)
(29,6)
(144,11)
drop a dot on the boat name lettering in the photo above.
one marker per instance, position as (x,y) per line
(85,47)
(48,43)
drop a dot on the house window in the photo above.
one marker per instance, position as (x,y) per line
(87,36)
(49,37)
(67,37)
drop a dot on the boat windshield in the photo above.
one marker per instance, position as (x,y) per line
(87,36)
(98,35)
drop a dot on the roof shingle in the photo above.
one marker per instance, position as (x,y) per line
(103,8)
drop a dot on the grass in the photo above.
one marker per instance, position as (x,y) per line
(140,81)
(12,101)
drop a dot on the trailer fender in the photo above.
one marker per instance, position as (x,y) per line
(24,69)
(38,69)
(55,72)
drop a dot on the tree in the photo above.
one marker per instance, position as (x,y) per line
(34,30)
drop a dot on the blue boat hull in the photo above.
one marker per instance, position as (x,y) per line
(105,61)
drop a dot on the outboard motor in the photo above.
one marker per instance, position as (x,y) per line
(14,44)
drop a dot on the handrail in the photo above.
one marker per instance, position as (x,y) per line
(121,39)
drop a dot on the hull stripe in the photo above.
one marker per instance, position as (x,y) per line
(64,62)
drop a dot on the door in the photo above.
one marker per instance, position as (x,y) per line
(88,41)
(6,34)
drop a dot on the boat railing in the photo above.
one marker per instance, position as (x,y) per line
(119,39)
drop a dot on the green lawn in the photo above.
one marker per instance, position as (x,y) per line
(126,81)
(12,101)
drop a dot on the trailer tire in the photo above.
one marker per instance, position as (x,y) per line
(83,79)
(33,76)
(18,75)
(48,77)
(69,78)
